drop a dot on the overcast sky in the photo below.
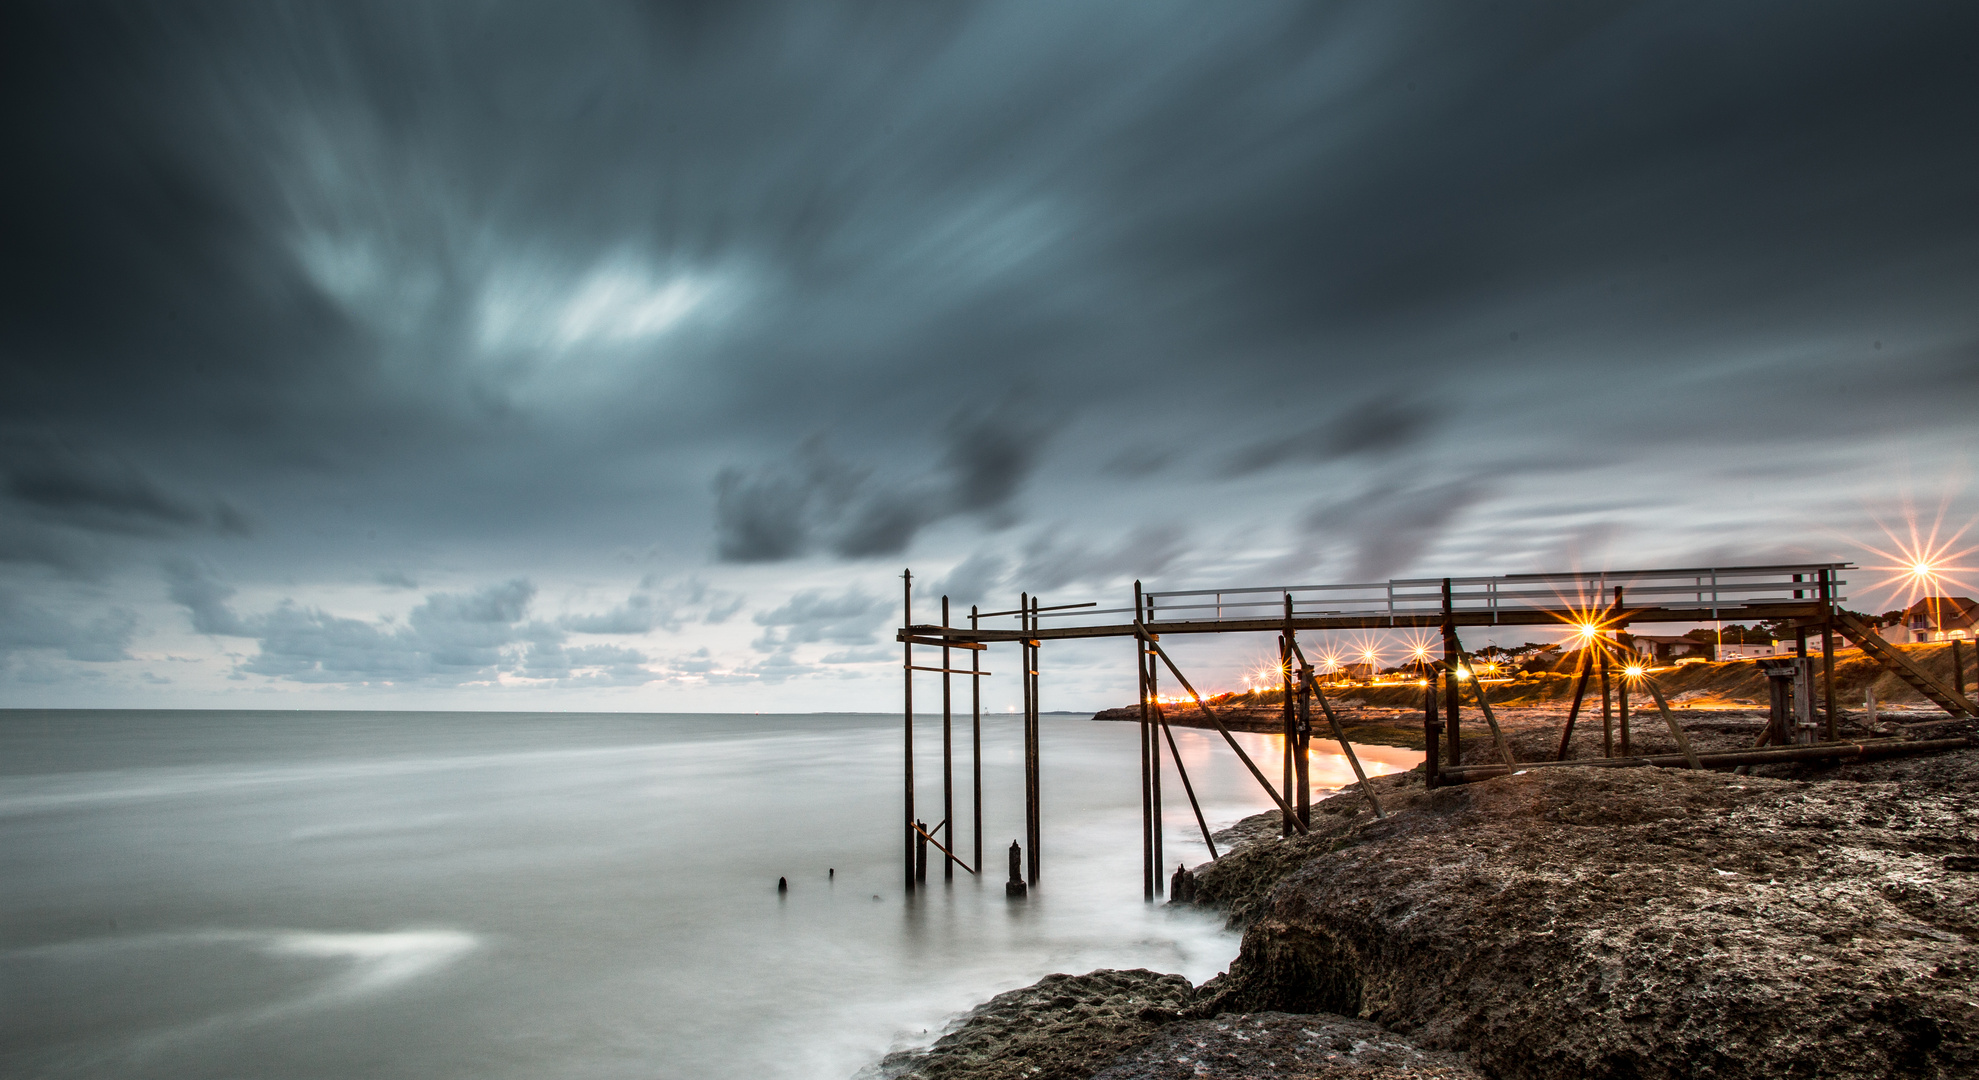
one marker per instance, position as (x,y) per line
(621,356)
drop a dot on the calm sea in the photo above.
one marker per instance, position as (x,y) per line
(338,894)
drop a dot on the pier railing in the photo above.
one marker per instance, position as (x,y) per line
(1658,595)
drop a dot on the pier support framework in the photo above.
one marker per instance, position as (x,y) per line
(1802,596)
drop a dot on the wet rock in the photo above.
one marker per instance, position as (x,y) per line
(1628,923)
(1248,1046)
(1064,1027)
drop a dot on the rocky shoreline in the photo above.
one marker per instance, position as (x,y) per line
(1565,922)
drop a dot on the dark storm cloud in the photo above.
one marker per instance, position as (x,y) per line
(817,501)
(1374,428)
(508,264)
(1050,563)
(55,485)
(1388,525)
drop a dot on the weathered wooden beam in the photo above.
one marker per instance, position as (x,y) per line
(1676,729)
(943,643)
(1227,737)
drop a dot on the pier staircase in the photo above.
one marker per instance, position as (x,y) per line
(1874,647)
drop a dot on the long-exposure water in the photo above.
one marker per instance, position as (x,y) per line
(336,894)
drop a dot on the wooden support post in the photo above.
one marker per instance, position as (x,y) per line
(947,756)
(1298,721)
(976,739)
(1580,690)
(1187,788)
(1149,869)
(1256,773)
(1160,884)
(1346,748)
(1958,670)
(1467,662)
(1030,746)
(1828,653)
(1622,711)
(1037,755)
(907,676)
(1676,729)
(1607,716)
(927,839)
(1451,710)
(1432,737)
(1288,735)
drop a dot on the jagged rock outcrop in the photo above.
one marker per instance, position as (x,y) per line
(1630,923)
(1064,1027)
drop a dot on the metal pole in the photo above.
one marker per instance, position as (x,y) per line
(907,673)
(947,757)
(976,738)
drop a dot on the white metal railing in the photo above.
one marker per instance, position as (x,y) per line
(1712,592)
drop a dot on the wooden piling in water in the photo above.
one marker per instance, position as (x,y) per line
(907,677)
(947,756)
(1154,756)
(1037,751)
(1149,868)
(976,739)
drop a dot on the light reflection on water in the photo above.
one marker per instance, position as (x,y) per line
(446,894)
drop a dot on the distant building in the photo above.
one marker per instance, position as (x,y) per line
(1897,634)
(1722,653)
(1942,618)
(1661,649)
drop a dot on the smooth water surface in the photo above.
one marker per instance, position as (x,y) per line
(313,894)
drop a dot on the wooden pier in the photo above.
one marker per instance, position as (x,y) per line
(1593,605)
